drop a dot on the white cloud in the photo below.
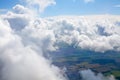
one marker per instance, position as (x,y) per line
(89,75)
(19,58)
(82,31)
(40,4)
(89,32)
(21,62)
(19,17)
(19,9)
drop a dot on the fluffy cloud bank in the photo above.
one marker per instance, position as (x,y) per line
(89,75)
(98,33)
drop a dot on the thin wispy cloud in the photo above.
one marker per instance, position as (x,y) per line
(88,1)
(3,10)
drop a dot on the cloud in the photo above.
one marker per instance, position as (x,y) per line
(19,9)
(40,4)
(86,32)
(20,60)
(89,75)
(82,31)
(19,17)
(117,6)
(88,1)
(25,39)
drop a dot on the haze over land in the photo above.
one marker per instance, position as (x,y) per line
(26,39)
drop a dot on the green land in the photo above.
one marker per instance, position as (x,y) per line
(75,60)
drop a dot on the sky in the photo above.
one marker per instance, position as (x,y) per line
(73,7)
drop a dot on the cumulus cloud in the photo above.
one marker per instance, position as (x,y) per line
(21,62)
(20,42)
(95,33)
(19,9)
(89,75)
(19,17)
(82,31)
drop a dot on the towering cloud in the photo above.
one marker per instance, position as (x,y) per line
(21,62)
(20,42)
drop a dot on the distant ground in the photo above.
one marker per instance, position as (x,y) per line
(75,59)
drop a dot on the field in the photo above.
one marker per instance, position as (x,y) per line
(75,59)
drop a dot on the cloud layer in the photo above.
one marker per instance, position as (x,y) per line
(97,33)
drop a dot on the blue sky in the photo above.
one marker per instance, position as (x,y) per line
(74,7)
